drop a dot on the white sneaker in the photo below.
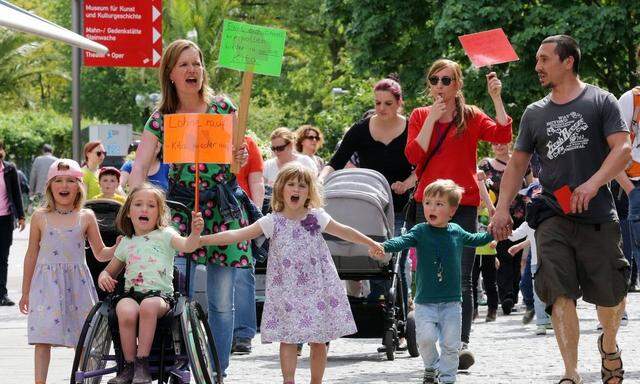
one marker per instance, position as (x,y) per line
(541,330)
(625,320)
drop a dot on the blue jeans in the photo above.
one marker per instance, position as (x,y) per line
(542,318)
(244,297)
(220,282)
(632,227)
(442,323)
(526,284)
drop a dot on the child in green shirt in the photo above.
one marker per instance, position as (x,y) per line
(439,244)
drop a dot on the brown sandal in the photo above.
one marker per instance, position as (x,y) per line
(570,381)
(608,374)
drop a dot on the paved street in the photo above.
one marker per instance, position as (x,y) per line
(506,351)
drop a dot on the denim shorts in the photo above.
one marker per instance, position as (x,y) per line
(580,260)
(139,296)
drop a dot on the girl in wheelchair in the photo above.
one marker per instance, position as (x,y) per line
(146,253)
(57,288)
(305,299)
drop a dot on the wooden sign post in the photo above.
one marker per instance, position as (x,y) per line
(250,49)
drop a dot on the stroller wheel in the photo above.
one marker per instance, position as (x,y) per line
(412,344)
(390,344)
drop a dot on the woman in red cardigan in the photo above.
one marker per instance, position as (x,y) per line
(463,126)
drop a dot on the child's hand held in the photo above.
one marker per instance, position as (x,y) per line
(493,244)
(197,223)
(376,251)
(106,282)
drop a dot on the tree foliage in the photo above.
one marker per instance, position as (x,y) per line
(385,37)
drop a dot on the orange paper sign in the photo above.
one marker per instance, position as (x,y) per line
(197,138)
(488,47)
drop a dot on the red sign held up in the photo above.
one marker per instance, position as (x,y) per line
(488,47)
(131,29)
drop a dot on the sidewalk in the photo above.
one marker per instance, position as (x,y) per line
(506,351)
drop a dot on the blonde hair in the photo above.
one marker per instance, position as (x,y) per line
(283,133)
(301,132)
(49,203)
(446,188)
(123,221)
(295,170)
(463,111)
(169,101)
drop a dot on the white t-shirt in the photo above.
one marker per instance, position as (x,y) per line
(267,224)
(525,231)
(626,105)
(270,171)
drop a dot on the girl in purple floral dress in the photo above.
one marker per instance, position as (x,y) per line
(305,300)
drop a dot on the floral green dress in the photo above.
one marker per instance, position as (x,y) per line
(181,186)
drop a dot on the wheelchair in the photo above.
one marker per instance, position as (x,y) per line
(183,344)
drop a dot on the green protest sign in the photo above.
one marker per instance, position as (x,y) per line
(251,48)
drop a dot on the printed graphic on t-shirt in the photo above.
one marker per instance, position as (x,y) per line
(565,134)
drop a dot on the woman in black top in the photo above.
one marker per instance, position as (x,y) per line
(379,141)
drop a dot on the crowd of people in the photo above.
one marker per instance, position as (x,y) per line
(504,217)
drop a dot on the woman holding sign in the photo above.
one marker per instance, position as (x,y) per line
(442,144)
(184,87)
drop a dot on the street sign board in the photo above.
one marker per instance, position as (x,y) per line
(131,29)
(115,137)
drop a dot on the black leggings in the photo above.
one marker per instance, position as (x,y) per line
(508,276)
(487,265)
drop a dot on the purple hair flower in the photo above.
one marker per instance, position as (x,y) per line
(310,223)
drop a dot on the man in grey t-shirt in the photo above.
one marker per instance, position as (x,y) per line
(583,143)
(571,141)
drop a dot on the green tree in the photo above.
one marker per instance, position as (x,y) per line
(17,67)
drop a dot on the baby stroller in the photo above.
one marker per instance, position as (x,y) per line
(183,344)
(361,198)
(106,212)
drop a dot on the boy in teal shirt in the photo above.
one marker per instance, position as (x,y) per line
(438,312)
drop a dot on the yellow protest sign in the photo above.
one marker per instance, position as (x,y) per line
(197,138)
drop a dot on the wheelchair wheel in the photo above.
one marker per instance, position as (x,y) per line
(93,346)
(200,345)
(412,343)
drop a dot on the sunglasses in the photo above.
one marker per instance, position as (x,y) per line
(316,138)
(446,80)
(279,148)
(101,153)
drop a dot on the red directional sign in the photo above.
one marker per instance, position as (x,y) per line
(131,29)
